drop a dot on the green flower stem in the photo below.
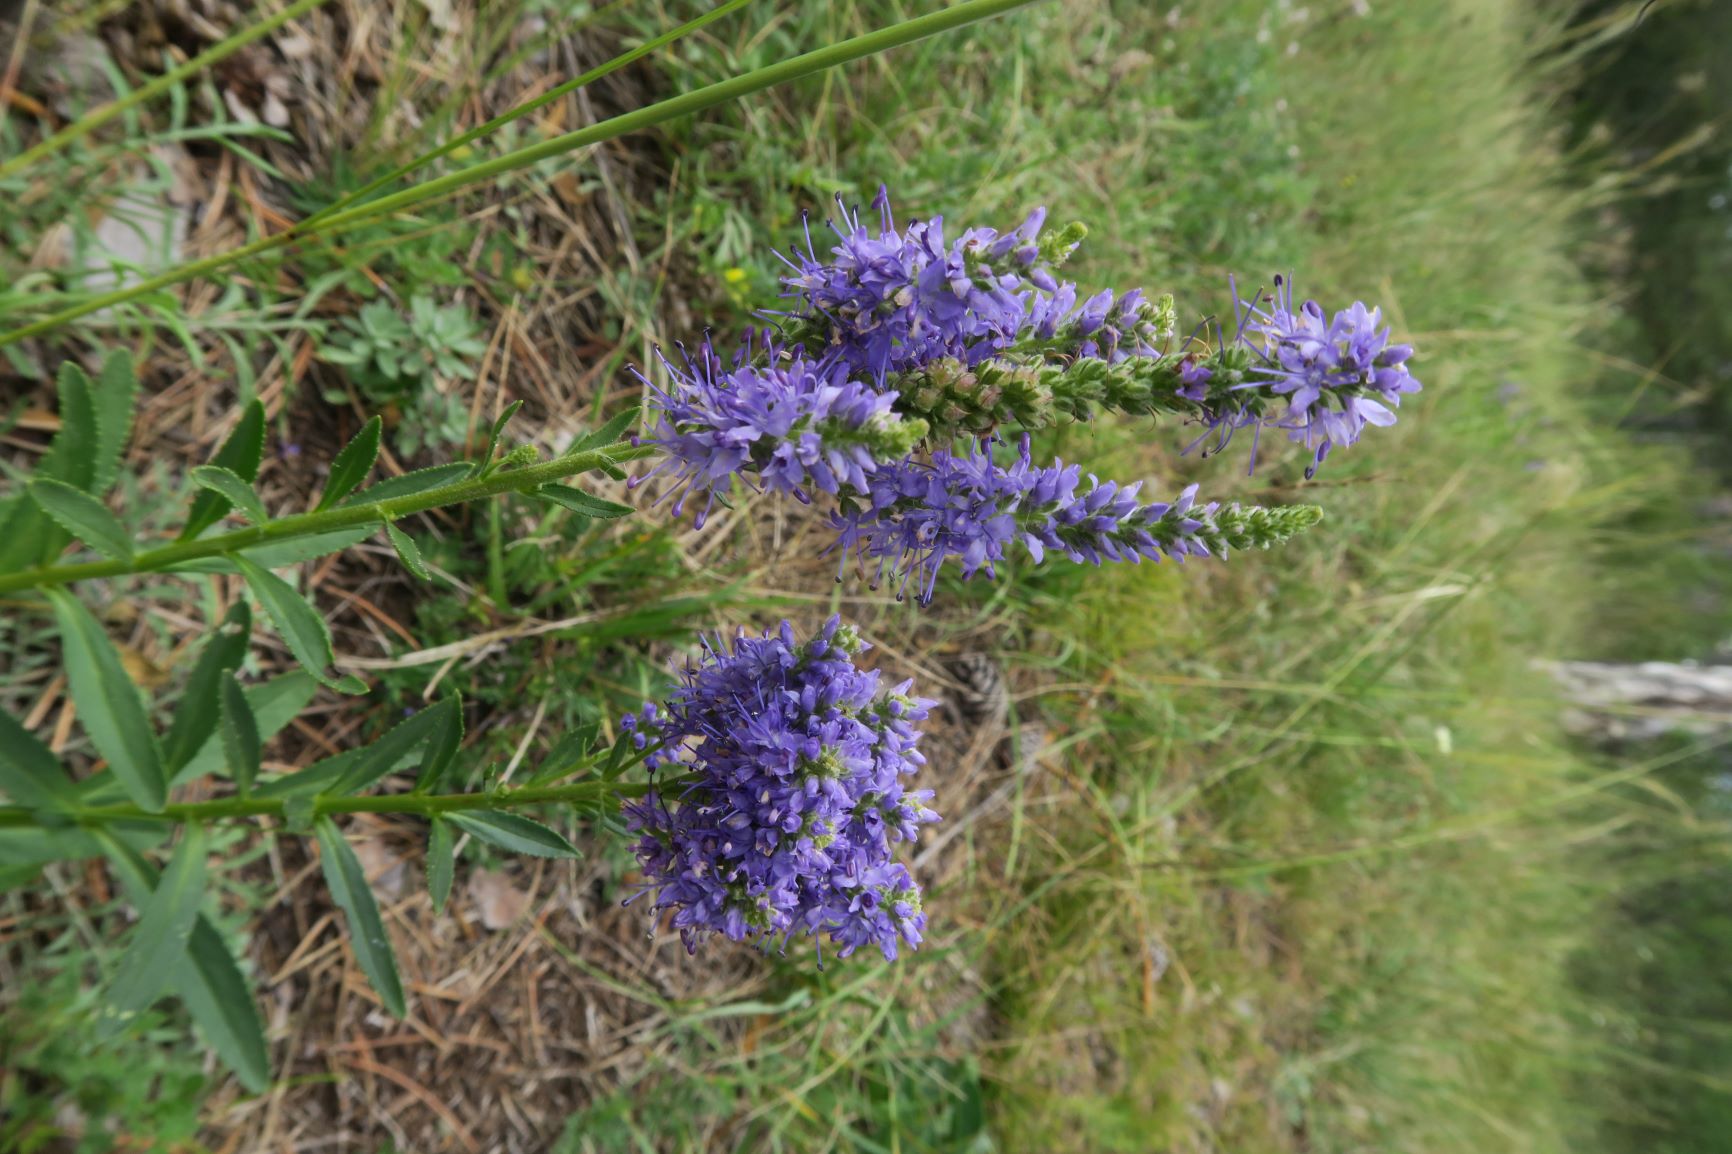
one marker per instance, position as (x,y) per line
(97,117)
(303,808)
(673,108)
(341,517)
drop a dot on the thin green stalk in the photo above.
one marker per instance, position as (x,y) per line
(342,517)
(524,109)
(424,805)
(673,108)
(97,117)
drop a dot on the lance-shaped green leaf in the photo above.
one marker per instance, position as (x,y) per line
(302,629)
(510,831)
(352,464)
(367,935)
(580,502)
(195,719)
(84,517)
(108,703)
(240,455)
(211,984)
(567,756)
(420,481)
(165,923)
(443,743)
(612,431)
(113,396)
(233,490)
(240,730)
(27,535)
(29,772)
(407,551)
(441,862)
(497,432)
(274,704)
(281,554)
(378,759)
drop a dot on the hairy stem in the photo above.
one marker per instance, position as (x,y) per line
(341,517)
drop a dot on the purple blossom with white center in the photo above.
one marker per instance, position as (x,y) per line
(972,508)
(1338,373)
(792,791)
(781,420)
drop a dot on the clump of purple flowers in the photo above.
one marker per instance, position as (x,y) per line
(1338,374)
(904,343)
(785,791)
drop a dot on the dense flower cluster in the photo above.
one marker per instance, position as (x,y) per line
(904,343)
(786,791)
(1338,374)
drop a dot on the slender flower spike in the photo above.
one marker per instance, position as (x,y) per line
(1338,373)
(972,508)
(795,765)
(781,421)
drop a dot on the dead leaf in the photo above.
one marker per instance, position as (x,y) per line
(497,900)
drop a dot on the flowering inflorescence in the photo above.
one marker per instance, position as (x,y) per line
(793,795)
(908,351)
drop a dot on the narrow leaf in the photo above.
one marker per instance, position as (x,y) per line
(240,730)
(240,455)
(211,984)
(580,502)
(165,923)
(235,491)
(608,433)
(443,742)
(499,431)
(281,554)
(441,862)
(274,704)
(29,772)
(299,623)
(113,396)
(352,464)
(72,456)
(407,551)
(420,481)
(367,935)
(108,703)
(195,719)
(567,755)
(510,831)
(84,517)
(379,758)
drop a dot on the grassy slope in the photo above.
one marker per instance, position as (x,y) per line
(1302,886)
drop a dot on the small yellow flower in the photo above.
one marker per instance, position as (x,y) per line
(735,275)
(523,278)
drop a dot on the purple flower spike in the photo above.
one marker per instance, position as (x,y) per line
(783,422)
(1339,374)
(798,761)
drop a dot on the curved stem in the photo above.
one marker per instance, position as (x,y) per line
(341,517)
(425,805)
(674,108)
